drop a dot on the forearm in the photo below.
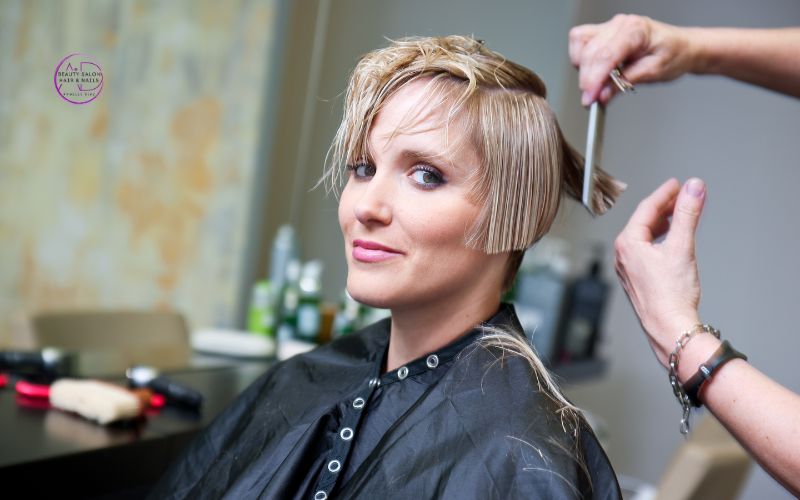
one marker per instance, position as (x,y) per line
(760,413)
(663,286)
(768,58)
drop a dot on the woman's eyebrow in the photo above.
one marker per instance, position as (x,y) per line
(438,159)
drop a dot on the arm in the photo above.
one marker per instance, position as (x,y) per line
(662,283)
(654,52)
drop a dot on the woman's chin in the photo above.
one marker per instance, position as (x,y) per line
(370,296)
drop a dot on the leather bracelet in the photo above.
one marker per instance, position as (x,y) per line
(722,355)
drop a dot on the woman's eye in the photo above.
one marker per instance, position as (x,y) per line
(427,178)
(363,170)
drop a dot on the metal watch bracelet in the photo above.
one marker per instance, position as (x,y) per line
(677,388)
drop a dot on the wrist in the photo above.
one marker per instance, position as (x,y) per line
(667,333)
(699,51)
(695,353)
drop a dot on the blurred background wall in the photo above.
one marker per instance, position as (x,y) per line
(213,127)
(140,198)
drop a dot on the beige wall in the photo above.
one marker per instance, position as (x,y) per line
(139,198)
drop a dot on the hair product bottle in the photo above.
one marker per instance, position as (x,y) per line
(585,306)
(539,296)
(284,250)
(261,317)
(290,298)
(308,309)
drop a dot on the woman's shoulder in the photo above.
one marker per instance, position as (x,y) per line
(505,388)
(503,404)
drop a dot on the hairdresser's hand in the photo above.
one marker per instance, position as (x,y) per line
(648,50)
(661,278)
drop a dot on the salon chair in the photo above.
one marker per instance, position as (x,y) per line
(709,465)
(117,338)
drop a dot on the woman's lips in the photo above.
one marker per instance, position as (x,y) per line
(370,251)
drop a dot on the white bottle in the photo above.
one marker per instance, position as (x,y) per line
(284,250)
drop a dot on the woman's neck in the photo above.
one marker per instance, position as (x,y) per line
(420,330)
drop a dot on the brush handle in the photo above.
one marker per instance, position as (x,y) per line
(176,392)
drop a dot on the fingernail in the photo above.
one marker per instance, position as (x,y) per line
(585,99)
(696,187)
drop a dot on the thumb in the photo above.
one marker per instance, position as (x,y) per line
(686,216)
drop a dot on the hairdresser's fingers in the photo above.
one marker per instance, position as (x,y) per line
(651,211)
(648,68)
(579,36)
(607,92)
(598,58)
(688,208)
(661,228)
(625,38)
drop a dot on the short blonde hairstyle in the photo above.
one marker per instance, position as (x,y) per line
(526,164)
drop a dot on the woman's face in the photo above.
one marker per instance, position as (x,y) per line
(405,211)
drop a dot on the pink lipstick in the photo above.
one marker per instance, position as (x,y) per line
(370,251)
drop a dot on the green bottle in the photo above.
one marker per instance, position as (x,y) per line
(290,299)
(308,309)
(261,317)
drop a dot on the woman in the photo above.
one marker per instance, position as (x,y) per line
(454,165)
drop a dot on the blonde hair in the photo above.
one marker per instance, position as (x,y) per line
(526,164)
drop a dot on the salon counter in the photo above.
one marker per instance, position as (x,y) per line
(46,452)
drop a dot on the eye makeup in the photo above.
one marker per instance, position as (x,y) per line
(427,176)
(362,170)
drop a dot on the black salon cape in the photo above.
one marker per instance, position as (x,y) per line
(461,423)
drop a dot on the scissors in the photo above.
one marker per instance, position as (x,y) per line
(594,137)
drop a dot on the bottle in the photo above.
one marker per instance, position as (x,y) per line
(586,302)
(261,318)
(284,250)
(290,299)
(308,309)
(347,317)
(261,315)
(539,297)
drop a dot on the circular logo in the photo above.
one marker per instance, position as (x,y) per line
(78,79)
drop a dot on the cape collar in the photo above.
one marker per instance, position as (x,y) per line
(505,316)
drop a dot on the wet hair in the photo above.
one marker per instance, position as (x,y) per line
(526,163)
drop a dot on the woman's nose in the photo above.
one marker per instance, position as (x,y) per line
(374,207)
